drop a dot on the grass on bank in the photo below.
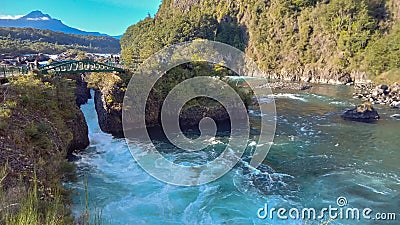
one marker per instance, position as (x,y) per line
(388,78)
(34,138)
(30,209)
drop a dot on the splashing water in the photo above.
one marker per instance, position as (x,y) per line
(316,157)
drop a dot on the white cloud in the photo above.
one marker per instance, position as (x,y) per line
(9,17)
(41,18)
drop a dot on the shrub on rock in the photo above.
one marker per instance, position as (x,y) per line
(363,113)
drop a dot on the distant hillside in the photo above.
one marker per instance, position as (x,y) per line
(117,37)
(39,20)
(29,40)
(309,40)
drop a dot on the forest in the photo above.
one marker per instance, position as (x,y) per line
(16,41)
(292,36)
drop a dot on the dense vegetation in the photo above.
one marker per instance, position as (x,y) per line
(190,70)
(33,149)
(297,37)
(29,40)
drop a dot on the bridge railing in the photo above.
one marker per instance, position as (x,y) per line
(81,66)
(62,66)
(53,64)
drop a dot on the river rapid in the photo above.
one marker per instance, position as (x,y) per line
(316,158)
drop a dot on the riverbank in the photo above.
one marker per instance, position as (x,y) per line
(40,125)
(379,94)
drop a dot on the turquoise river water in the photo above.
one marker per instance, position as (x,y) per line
(316,158)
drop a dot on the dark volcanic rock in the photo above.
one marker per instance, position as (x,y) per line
(192,116)
(80,132)
(362,113)
(384,87)
(109,116)
(78,126)
(82,92)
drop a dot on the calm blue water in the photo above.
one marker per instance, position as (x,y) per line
(316,158)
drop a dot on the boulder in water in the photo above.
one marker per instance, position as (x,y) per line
(363,113)
(384,87)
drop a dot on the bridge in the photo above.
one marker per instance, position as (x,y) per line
(63,67)
(82,66)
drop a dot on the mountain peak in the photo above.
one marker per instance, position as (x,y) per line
(37,19)
(36,15)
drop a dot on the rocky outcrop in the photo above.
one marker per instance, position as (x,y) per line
(319,76)
(362,113)
(82,92)
(80,133)
(78,125)
(345,79)
(381,94)
(191,117)
(109,113)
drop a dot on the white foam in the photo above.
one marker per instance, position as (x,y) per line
(288,96)
(253,143)
(397,116)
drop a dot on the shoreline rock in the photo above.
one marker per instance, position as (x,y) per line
(3,80)
(78,125)
(362,113)
(80,133)
(314,75)
(109,115)
(381,94)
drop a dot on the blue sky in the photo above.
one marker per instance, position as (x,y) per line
(106,16)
